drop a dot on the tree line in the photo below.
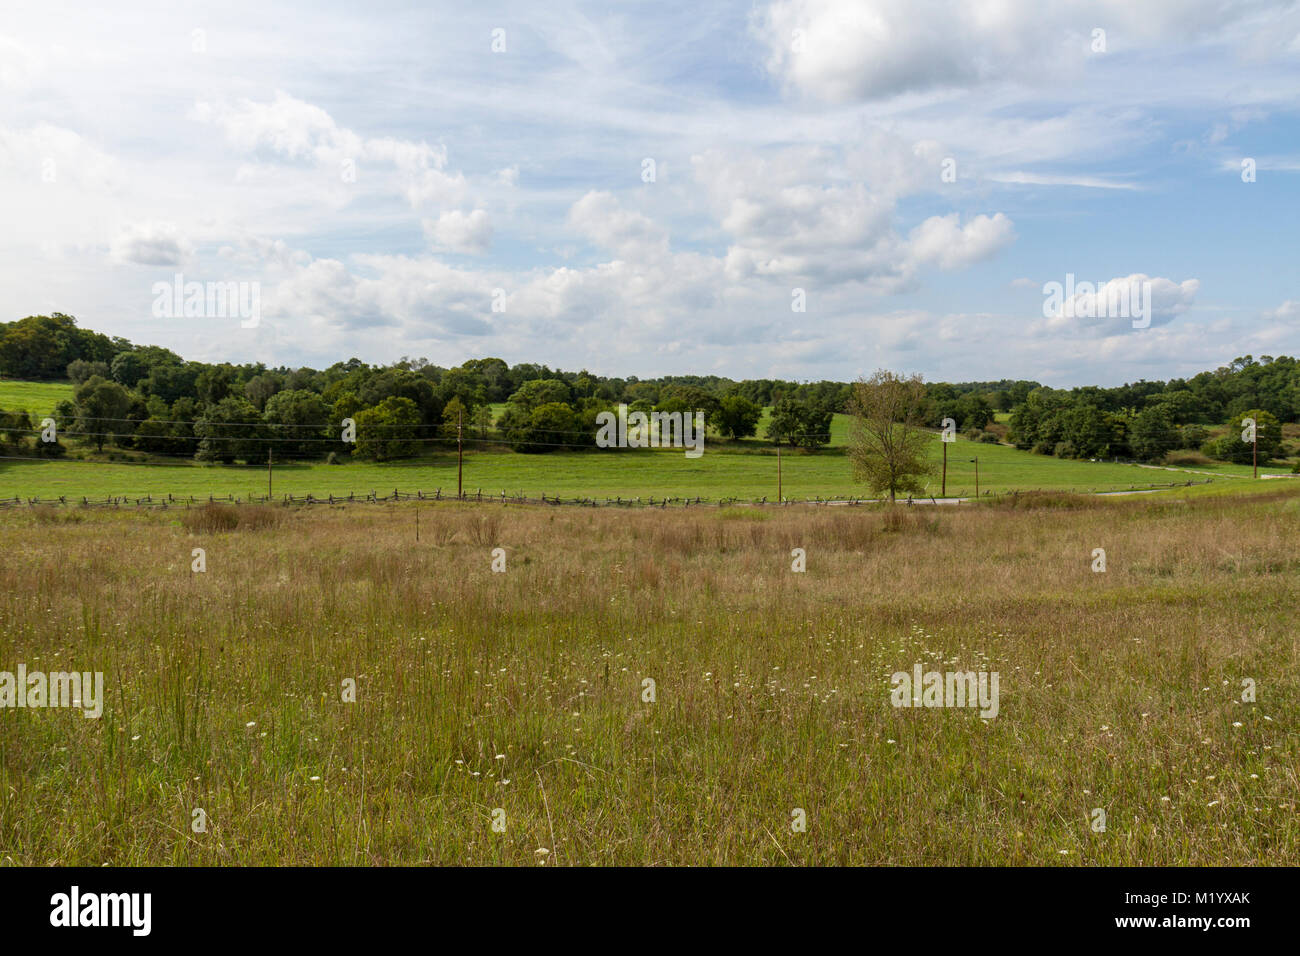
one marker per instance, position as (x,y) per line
(1149,420)
(149,399)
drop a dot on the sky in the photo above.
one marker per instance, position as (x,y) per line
(798,189)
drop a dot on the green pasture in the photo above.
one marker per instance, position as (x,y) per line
(744,471)
(36,398)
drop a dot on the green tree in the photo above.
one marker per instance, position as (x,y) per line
(298,420)
(1153,433)
(887,445)
(230,430)
(800,423)
(552,425)
(454,415)
(738,417)
(544,428)
(79,370)
(157,437)
(1232,447)
(15,429)
(260,388)
(388,430)
(41,347)
(541,391)
(101,407)
(213,383)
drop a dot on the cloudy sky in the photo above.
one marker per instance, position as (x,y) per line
(642,188)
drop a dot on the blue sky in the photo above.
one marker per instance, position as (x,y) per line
(797,144)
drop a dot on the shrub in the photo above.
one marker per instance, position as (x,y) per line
(213,518)
(49,514)
(1044,500)
(1186,457)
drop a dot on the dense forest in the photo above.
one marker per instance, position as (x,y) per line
(147,399)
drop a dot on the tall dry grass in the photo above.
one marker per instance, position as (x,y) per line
(479,690)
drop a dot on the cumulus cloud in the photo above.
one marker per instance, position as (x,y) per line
(19,65)
(842,50)
(945,242)
(827,179)
(287,128)
(601,218)
(150,244)
(791,218)
(456,231)
(1112,306)
(1288,311)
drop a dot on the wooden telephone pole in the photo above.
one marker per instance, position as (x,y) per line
(778,473)
(944,492)
(460,455)
(268,474)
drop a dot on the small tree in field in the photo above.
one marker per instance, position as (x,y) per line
(887,445)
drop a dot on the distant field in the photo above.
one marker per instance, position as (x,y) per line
(38,398)
(744,469)
(721,472)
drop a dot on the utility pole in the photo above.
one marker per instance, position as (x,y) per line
(944,492)
(976,459)
(268,474)
(1254,457)
(778,473)
(460,455)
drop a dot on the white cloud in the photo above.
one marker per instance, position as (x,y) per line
(846,50)
(287,128)
(827,178)
(19,65)
(631,235)
(1043,179)
(456,231)
(943,241)
(1288,311)
(792,218)
(150,244)
(1111,306)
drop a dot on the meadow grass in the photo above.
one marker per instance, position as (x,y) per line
(523,691)
(742,470)
(36,398)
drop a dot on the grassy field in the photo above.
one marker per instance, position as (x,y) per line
(746,471)
(37,398)
(521,695)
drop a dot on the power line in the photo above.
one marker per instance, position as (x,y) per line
(221,424)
